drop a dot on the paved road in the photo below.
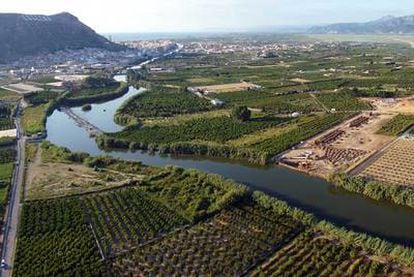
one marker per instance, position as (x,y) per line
(13,209)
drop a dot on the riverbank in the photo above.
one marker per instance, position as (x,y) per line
(190,199)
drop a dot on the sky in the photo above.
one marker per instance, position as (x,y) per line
(210,15)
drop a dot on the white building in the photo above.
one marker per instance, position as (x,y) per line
(217,102)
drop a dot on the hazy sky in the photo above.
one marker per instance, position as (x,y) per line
(195,15)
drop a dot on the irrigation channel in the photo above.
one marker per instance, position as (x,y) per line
(315,195)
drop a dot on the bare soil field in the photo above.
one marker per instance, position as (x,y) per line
(8,133)
(300,80)
(228,87)
(395,165)
(393,106)
(340,148)
(48,180)
(22,88)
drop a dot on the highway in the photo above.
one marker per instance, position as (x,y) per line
(12,214)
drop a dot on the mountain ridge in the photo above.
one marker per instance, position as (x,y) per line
(385,25)
(32,34)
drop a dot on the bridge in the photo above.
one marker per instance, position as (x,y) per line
(81,122)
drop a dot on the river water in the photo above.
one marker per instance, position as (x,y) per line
(315,195)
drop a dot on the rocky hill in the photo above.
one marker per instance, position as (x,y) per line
(385,25)
(22,35)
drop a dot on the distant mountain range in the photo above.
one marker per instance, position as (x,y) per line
(385,25)
(23,35)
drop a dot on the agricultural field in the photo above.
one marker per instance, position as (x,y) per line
(6,172)
(341,101)
(164,103)
(193,194)
(311,254)
(6,119)
(228,244)
(394,165)
(126,219)
(8,155)
(216,129)
(7,95)
(397,125)
(272,103)
(55,238)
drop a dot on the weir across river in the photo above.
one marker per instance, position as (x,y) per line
(81,122)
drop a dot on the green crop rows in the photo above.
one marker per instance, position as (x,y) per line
(55,239)
(342,101)
(126,218)
(164,104)
(398,125)
(303,131)
(310,255)
(228,244)
(6,121)
(219,129)
(271,103)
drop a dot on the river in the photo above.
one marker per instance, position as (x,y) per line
(315,195)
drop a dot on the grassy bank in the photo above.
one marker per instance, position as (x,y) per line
(34,118)
(400,195)
(6,172)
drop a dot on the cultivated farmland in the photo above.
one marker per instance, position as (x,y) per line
(313,255)
(395,165)
(229,244)
(125,219)
(6,120)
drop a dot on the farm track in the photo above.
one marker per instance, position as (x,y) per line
(319,103)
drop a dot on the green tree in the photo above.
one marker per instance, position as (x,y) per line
(241,113)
